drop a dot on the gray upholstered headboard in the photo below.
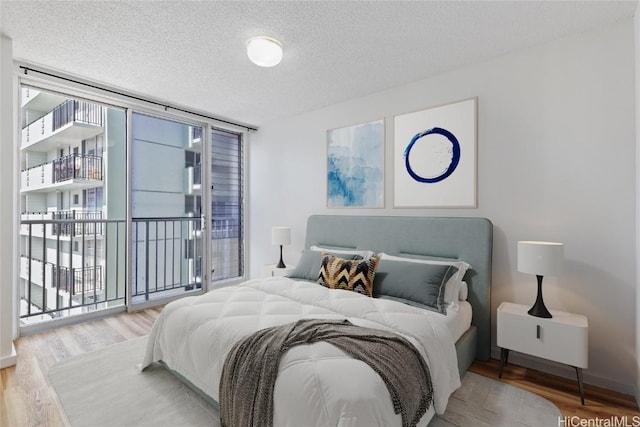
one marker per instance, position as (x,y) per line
(467,239)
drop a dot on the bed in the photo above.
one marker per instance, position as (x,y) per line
(319,384)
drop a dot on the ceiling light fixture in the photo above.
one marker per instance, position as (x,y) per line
(264,51)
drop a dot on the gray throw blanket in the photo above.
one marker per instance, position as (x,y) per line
(250,369)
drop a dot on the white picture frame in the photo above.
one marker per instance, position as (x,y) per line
(355,166)
(435,157)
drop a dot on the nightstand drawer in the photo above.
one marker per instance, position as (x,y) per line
(270,270)
(563,338)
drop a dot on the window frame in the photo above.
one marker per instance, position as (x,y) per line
(84,89)
(244,216)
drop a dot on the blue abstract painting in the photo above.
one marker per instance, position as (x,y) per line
(355,166)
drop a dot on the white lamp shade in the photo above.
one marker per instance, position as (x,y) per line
(280,235)
(264,51)
(540,258)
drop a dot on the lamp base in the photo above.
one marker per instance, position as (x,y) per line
(281,263)
(539,309)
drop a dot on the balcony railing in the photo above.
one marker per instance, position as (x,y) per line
(62,121)
(167,254)
(77,166)
(59,278)
(86,279)
(72,170)
(77,228)
(48,274)
(76,111)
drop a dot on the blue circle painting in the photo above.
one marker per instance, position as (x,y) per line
(455,158)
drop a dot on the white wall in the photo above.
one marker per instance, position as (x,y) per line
(556,161)
(8,209)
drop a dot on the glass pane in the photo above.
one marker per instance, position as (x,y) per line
(72,197)
(167,246)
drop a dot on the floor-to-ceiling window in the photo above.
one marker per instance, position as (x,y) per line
(167,248)
(116,209)
(71,239)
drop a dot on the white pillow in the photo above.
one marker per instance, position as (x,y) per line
(363,254)
(453,285)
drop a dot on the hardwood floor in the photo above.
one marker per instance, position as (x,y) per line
(26,399)
(599,403)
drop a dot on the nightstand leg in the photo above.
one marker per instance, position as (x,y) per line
(504,359)
(580,386)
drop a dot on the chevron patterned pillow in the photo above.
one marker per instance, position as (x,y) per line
(352,275)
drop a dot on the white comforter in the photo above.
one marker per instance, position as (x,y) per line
(318,384)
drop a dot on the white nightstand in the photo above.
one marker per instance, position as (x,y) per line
(563,338)
(270,270)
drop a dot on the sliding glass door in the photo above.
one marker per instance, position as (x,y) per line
(122,208)
(167,248)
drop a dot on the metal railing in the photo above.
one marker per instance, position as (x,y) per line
(76,111)
(87,279)
(77,166)
(84,279)
(77,228)
(62,277)
(167,254)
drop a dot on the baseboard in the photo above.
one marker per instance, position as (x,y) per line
(11,360)
(566,371)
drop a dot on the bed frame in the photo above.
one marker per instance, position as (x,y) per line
(466,239)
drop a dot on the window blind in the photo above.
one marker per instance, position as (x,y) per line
(226,205)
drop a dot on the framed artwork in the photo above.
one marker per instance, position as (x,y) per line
(434,157)
(355,166)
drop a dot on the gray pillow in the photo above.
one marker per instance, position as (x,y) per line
(413,282)
(308,267)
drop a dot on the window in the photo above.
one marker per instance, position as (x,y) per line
(149,209)
(226,205)
(58,179)
(167,241)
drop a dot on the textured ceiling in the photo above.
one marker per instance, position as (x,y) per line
(192,53)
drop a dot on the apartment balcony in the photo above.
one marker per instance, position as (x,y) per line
(35,100)
(49,275)
(78,223)
(68,123)
(42,273)
(195,138)
(71,172)
(85,280)
(193,180)
(77,227)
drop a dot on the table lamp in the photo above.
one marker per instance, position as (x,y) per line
(280,236)
(541,259)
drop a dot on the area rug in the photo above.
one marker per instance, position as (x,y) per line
(106,388)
